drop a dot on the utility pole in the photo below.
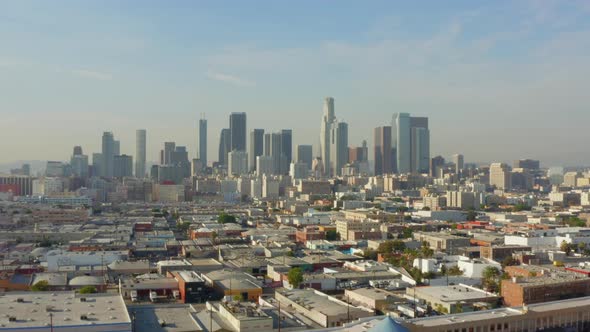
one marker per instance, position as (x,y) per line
(211,318)
(280,316)
(51,320)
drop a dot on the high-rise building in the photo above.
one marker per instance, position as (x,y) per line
(108,154)
(97,164)
(328,119)
(237,163)
(267,138)
(140,156)
(203,142)
(117,147)
(436,164)
(500,176)
(179,158)
(256,147)
(383,152)
(55,169)
(264,165)
(338,147)
(237,127)
(77,150)
(459,162)
(305,154)
(287,145)
(527,164)
(410,139)
(298,170)
(275,149)
(79,163)
(123,166)
(358,153)
(224,146)
(168,150)
(420,150)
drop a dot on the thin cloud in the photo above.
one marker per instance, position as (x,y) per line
(92,74)
(231,79)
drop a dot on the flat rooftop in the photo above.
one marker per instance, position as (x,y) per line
(474,316)
(178,318)
(313,301)
(32,309)
(452,293)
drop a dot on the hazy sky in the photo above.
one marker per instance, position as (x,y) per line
(498,79)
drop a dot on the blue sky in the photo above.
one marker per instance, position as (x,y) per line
(499,79)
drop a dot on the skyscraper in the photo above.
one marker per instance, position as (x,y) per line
(436,164)
(237,127)
(123,166)
(168,150)
(140,157)
(410,139)
(383,152)
(287,145)
(326,127)
(500,176)
(79,163)
(117,147)
(400,138)
(224,146)
(77,150)
(338,147)
(459,162)
(275,148)
(203,141)
(256,147)
(108,154)
(305,154)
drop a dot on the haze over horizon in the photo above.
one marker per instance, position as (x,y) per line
(499,81)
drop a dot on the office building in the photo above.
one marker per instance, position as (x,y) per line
(459,162)
(224,146)
(79,163)
(202,155)
(237,163)
(237,127)
(384,155)
(22,185)
(298,170)
(168,150)
(54,168)
(338,147)
(265,165)
(287,145)
(358,154)
(420,145)
(529,164)
(305,154)
(108,154)
(500,176)
(140,156)
(256,147)
(410,139)
(325,131)
(437,165)
(97,165)
(117,147)
(123,166)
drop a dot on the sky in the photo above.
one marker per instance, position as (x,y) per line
(499,80)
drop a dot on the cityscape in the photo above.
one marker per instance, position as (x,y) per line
(333,219)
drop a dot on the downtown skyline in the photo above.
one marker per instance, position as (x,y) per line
(474,70)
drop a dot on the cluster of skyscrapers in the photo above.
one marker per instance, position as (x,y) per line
(401,147)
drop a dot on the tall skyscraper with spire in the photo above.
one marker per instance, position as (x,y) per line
(326,127)
(203,142)
(140,157)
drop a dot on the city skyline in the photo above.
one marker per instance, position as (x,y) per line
(472,69)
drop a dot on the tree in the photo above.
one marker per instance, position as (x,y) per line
(565,247)
(490,272)
(41,286)
(88,290)
(407,233)
(295,277)
(509,261)
(332,235)
(426,208)
(370,254)
(471,215)
(225,218)
(455,271)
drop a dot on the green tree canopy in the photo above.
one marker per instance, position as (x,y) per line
(225,218)
(295,277)
(41,286)
(88,290)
